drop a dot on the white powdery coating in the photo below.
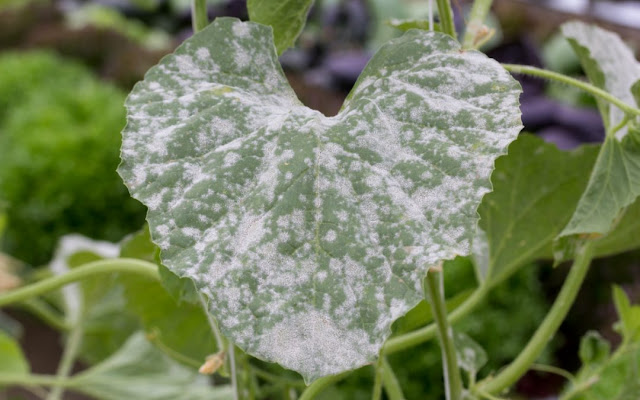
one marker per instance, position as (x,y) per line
(310,234)
(617,62)
(312,344)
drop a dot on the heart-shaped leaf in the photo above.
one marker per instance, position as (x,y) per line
(310,234)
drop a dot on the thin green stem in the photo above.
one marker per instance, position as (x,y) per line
(87,270)
(199,17)
(587,87)
(621,125)
(268,376)
(488,396)
(446,18)
(478,14)
(71,348)
(390,382)
(154,337)
(45,312)
(32,380)
(221,343)
(553,370)
(452,378)
(377,382)
(428,332)
(233,371)
(320,385)
(547,329)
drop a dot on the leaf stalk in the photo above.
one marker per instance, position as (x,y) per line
(509,375)
(446,18)
(478,14)
(199,17)
(585,86)
(452,378)
(91,269)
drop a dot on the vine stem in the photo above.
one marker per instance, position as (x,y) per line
(71,348)
(452,379)
(321,384)
(377,382)
(547,329)
(91,269)
(391,385)
(199,17)
(446,18)
(587,87)
(478,14)
(46,313)
(33,380)
(428,332)
(213,324)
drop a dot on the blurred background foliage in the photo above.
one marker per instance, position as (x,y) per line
(59,141)
(65,69)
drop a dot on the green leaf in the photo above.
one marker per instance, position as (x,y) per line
(608,63)
(471,356)
(635,92)
(286,18)
(629,315)
(603,376)
(406,24)
(140,371)
(594,349)
(535,189)
(178,325)
(11,358)
(96,303)
(310,234)
(615,179)
(139,245)
(624,236)
(613,185)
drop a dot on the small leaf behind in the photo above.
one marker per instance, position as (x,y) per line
(142,372)
(286,18)
(12,359)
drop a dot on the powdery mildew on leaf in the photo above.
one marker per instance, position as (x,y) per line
(609,63)
(311,234)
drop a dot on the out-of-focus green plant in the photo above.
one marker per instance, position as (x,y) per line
(606,375)
(59,138)
(108,18)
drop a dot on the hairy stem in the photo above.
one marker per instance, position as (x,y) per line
(87,270)
(71,348)
(320,385)
(478,14)
(587,87)
(547,329)
(199,17)
(390,382)
(428,332)
(452,378)
(446,18)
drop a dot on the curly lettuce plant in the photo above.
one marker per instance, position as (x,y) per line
(304,237)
